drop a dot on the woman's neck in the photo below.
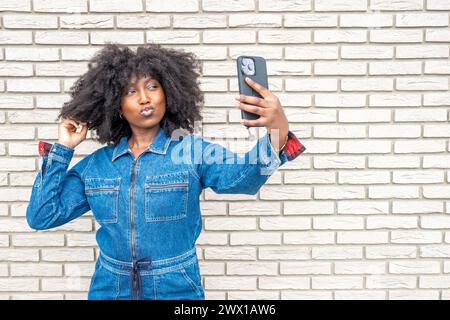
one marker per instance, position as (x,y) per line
(141,139)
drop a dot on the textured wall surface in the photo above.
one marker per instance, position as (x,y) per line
(363,213)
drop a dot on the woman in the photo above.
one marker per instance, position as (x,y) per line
(141,191)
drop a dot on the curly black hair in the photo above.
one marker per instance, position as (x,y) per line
(96,95)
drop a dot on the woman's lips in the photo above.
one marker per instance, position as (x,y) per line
(147,112)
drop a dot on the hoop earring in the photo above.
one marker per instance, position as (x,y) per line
(120,116)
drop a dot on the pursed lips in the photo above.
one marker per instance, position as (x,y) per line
(146,111)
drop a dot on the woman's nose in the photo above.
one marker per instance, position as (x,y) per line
(143,98)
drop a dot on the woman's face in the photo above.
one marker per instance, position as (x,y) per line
(144,103)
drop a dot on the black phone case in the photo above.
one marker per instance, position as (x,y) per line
(260,77)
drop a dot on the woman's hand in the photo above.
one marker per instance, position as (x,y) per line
(270,111)
(68,134)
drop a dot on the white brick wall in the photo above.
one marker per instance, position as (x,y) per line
(362,214)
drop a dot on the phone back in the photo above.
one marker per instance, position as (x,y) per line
(255,68)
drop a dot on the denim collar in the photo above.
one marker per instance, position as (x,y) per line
(159,145)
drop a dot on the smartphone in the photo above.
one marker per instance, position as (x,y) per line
(253,67)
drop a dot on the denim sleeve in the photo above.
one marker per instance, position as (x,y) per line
(226,172)
(58,195)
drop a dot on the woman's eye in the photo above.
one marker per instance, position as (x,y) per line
(130,91)
(151,86)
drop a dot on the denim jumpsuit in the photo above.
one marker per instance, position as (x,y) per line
(148,208)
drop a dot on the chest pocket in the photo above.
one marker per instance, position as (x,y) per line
(166,196)
(103,197)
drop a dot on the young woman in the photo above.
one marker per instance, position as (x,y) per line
(143,192)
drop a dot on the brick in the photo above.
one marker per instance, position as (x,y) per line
(438,5)
(337,282)
(87,21)
(436,130)
(25,284)
(436,192)
(15,5)
(213,208)
(437,67)
(340,5)
(283,253)
(254,208)
(366,20)
(172,6)
(389,192)
(394,131)
(340,100)
(395,36)
(285,193)
(37,296)
(31,54)
(337,223)
(283,283)
(421,19)
(358,147)
(412,115)
(226,253)
(33,85)
(391,252)
(436,161)
(61,37)
(230,224)
(19,255)
(417,206)
(252,20)
(340,68)
(365,207)
(222,36)
(206,238)
(81,240)
(311,84)
(434,282)
(310,20)
(23,21)
(282,68)
(435,251)
(435,222)
(421,51)
(306,268)
(341,131)
(14,101)
(249,295)
(260,238)
(15,37)
(75,53)
(390,282)
(252,268)
(371,52)
(339,36)
(395,68)
(424,83)
(364,116)
(38,240)
(396,5)
(308,237)
(347,192)
(356,84)
(274,5)
(36,270)
(414,267)
(115,6)
(299,177)
(418,177)
(284,36)
(391,222)
(437,35)
(60,5)
(336,253)
(14,194)
(413,236)
(326,162)
(312,53)
(124,37)
(67,254)
(394,161)
(362,237)
(230,283)
(143,21)
(22,178)
(34,116)
(359,267)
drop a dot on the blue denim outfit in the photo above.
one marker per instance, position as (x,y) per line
(148,208)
